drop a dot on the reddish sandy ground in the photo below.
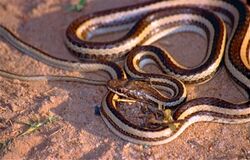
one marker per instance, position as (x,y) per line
(79,133)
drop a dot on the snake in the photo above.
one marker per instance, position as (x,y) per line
(146,23)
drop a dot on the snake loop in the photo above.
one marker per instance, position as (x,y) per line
(148,22)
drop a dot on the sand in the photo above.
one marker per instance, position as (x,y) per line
(78,133)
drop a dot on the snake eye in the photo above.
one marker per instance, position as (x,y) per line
(119,90)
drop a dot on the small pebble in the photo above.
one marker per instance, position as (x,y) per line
(97,110)
(13,107)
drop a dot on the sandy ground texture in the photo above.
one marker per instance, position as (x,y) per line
(78,133)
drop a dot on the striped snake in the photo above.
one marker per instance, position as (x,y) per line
(148,22)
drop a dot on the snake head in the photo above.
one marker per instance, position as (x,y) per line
(137,89)
(118,86)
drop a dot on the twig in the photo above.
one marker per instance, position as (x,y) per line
(5,145)
(36,125)
(77,7)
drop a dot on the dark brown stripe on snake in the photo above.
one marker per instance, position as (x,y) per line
(139,26)
(86,57)
(167,99)
(235,45)
(248,55)
(179,92)
(109,101)
(208,101)
(199,101)
(179,23)
(215,115)
(216,48)
(205,78)
(186,105)
(70,33)
(119,71)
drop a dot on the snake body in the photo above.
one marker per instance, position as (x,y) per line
(148,22)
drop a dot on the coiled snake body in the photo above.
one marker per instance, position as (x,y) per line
(151,21)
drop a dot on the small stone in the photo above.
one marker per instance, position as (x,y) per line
(97,110)
(52,98)
(13,107)
(16,81)
(106,140)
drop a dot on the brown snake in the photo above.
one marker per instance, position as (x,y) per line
(147,23)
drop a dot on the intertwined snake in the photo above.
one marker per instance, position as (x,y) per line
(147,22)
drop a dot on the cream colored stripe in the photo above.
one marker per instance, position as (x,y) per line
(244,51)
